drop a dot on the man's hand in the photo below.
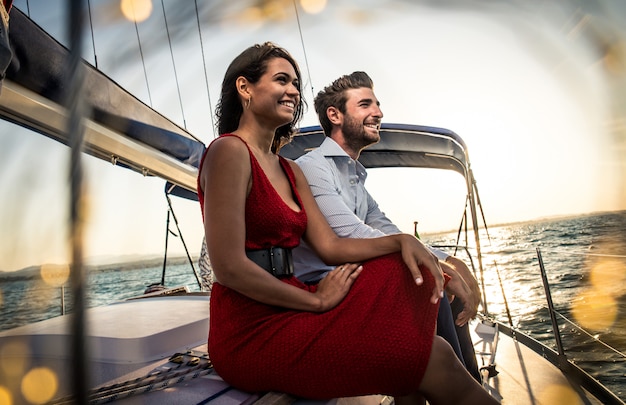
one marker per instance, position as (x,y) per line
(469,279)
(458,288)
(416,254)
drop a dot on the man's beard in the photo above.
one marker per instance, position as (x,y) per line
(356,136)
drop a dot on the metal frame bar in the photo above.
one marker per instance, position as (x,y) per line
(26,108)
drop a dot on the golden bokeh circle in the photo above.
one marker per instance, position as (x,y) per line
(313,6)
(594,309)
(14,358)
(136,10)
(558,395)
(55,275)
(5,396)
(609,276)
(39,385)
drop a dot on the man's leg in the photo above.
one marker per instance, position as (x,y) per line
(446,328)
(465,342)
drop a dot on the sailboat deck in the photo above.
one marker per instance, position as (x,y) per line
(524,376)
(134,354)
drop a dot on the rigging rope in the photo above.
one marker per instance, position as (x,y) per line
(306,60)
(167,232)
(169,40)
(191,365)
(506,303)
(143,62)
(93,41)
(206,77)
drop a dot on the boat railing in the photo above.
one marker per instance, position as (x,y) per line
(564,350)
(553,321)
(592,380)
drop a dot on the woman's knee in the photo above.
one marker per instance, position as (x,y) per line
(443,352)
(442,364)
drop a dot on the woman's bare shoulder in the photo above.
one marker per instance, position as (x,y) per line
(222,150)
(227,144)
(226,154)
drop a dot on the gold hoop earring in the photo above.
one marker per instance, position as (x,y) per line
(248,103)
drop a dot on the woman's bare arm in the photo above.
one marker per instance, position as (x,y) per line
(225,179)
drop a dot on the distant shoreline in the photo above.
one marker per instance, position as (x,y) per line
(532,221)
(132,262)
(33,272)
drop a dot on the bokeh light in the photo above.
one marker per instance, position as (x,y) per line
(313,6)
(597,306)
(608,276)
(136,10)
(594,309)
(277,10)
(250,15)
(13,358)
(558,395)
(55,275)
(39,385)
(5,396)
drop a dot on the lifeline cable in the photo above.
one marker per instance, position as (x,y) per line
(306,60)
(169,40)
(206,76)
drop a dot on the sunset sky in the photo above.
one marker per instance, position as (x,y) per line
(536,92)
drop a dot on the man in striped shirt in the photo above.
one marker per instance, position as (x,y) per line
(350,115)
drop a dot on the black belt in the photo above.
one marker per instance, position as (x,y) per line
(276,260)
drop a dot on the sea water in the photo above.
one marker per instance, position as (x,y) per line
(584,257)
(585,261)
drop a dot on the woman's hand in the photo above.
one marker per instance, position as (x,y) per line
(416,254)
(335,286)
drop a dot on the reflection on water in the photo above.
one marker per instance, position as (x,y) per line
(580,255)
(585,261)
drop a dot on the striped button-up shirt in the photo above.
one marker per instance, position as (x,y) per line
(338,185)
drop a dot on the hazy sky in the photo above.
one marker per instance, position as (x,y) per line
(533,91)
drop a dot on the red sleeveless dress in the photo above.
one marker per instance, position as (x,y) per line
(376,341)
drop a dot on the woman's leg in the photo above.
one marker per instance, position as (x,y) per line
(444,370)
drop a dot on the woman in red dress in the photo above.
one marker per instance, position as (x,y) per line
(368,326)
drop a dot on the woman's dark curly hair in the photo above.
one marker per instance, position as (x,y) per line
(252,64)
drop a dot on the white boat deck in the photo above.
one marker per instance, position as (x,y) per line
(524,377)
(131,344)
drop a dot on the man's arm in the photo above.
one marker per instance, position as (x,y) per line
(377,219)
(325,182)
(326,185)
